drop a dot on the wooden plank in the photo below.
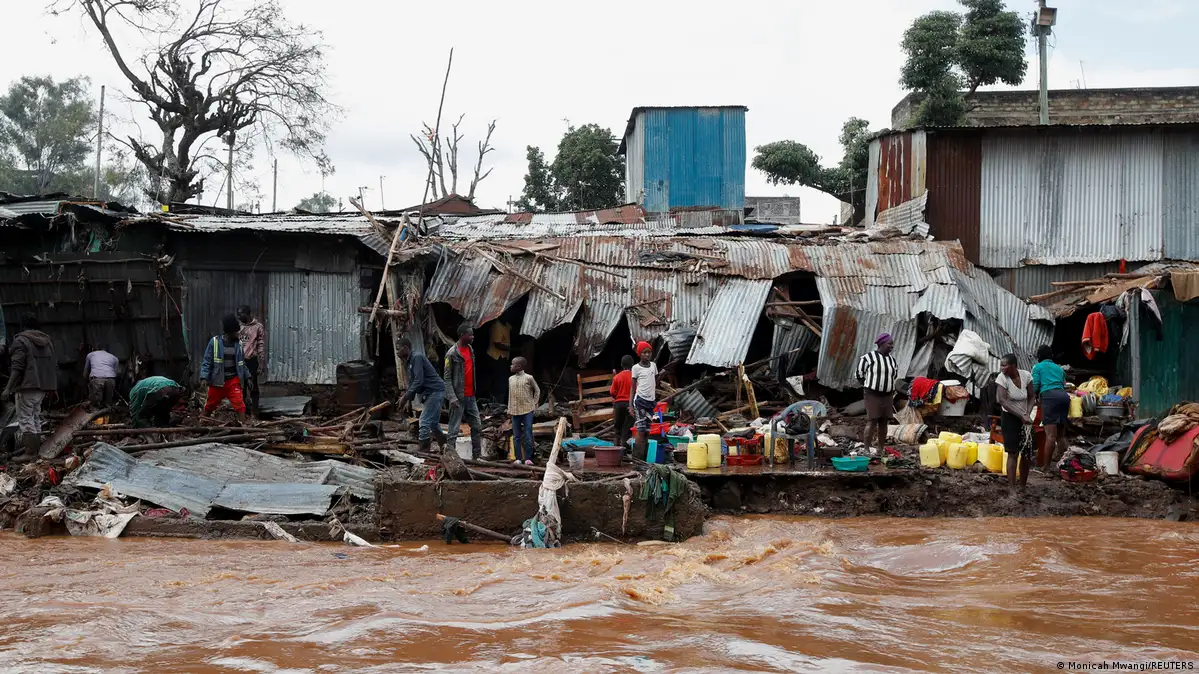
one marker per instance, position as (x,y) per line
(305,448)
(594,378)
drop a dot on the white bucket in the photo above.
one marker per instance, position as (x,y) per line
(954,409)
(462,446)
(1109,462)
(575,460)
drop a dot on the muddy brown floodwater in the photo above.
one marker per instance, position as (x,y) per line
(760,594)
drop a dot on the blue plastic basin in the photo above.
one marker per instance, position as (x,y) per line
(852,464)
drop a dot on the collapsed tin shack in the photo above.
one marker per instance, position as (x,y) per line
(579,289)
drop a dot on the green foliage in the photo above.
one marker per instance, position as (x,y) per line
(931,45)
(44,130)
(540,193)
(790,163)
(947,51)
(587,173)
(991,45)
(320,202)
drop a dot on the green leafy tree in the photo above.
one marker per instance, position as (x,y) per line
(44,133)
(788,162)
(320,202)
(540,193)
(587,173)
(948,51)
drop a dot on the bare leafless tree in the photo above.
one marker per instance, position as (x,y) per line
(226,67)
(439,159)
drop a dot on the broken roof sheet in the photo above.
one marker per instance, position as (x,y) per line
(1069,299)
(230,463)
(176,489)
(629,220)
(713,284)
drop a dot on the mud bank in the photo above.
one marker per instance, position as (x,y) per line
(918,493)
(33,525)
(407,510)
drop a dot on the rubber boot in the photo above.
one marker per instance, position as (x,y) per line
(30,444)
(426,445)
(476,446)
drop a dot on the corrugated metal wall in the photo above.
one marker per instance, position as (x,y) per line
(210,295)
(1049,196)
(314,325)
(634,163)
(311,318)
(954,189)
(693,157)
(1059,199)
(102,299)
(1181,195)
(1037,279)
(1163,382)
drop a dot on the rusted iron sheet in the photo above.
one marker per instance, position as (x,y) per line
(61,437)
(851,323)
(604,300)
(471,285)
(955,189)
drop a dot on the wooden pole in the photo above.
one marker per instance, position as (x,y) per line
(479,530)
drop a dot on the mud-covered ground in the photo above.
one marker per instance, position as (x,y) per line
(942,493)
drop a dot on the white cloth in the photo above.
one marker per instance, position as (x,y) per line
(645,380)
(969,358)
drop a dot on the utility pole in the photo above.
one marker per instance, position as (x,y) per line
(99,146)
(231,138)
(382,202)
(1046,18)
(275,189)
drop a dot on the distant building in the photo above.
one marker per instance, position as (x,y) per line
(685,157)
(775,210)
(453,204)
(1036,204)
(1157,105)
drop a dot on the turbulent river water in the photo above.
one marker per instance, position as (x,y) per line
(758,594)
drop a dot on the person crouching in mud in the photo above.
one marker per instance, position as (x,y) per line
(645,386)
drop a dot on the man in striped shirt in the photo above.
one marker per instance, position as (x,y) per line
(878,371)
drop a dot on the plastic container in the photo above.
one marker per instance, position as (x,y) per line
(1075,407)
(608,457)
(946,436)
(575,460)
(745,459)
(954,409)
(462,446)
(971,452)
(852,464)
(697,456)
(958,455)
(943,451)
(651,453)
(930,455)
(1109,462)
(991,457)
(712,442)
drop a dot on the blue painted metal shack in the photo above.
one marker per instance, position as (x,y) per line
(685,157)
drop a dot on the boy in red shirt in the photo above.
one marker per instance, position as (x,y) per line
(621,391)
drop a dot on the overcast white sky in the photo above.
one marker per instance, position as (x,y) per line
(801,66)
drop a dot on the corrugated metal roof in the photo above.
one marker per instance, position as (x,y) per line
(789,337)
(723,338)
(176,489)
(1180,193)
(230,463)
(625,221)
(907,217)
(719,285)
